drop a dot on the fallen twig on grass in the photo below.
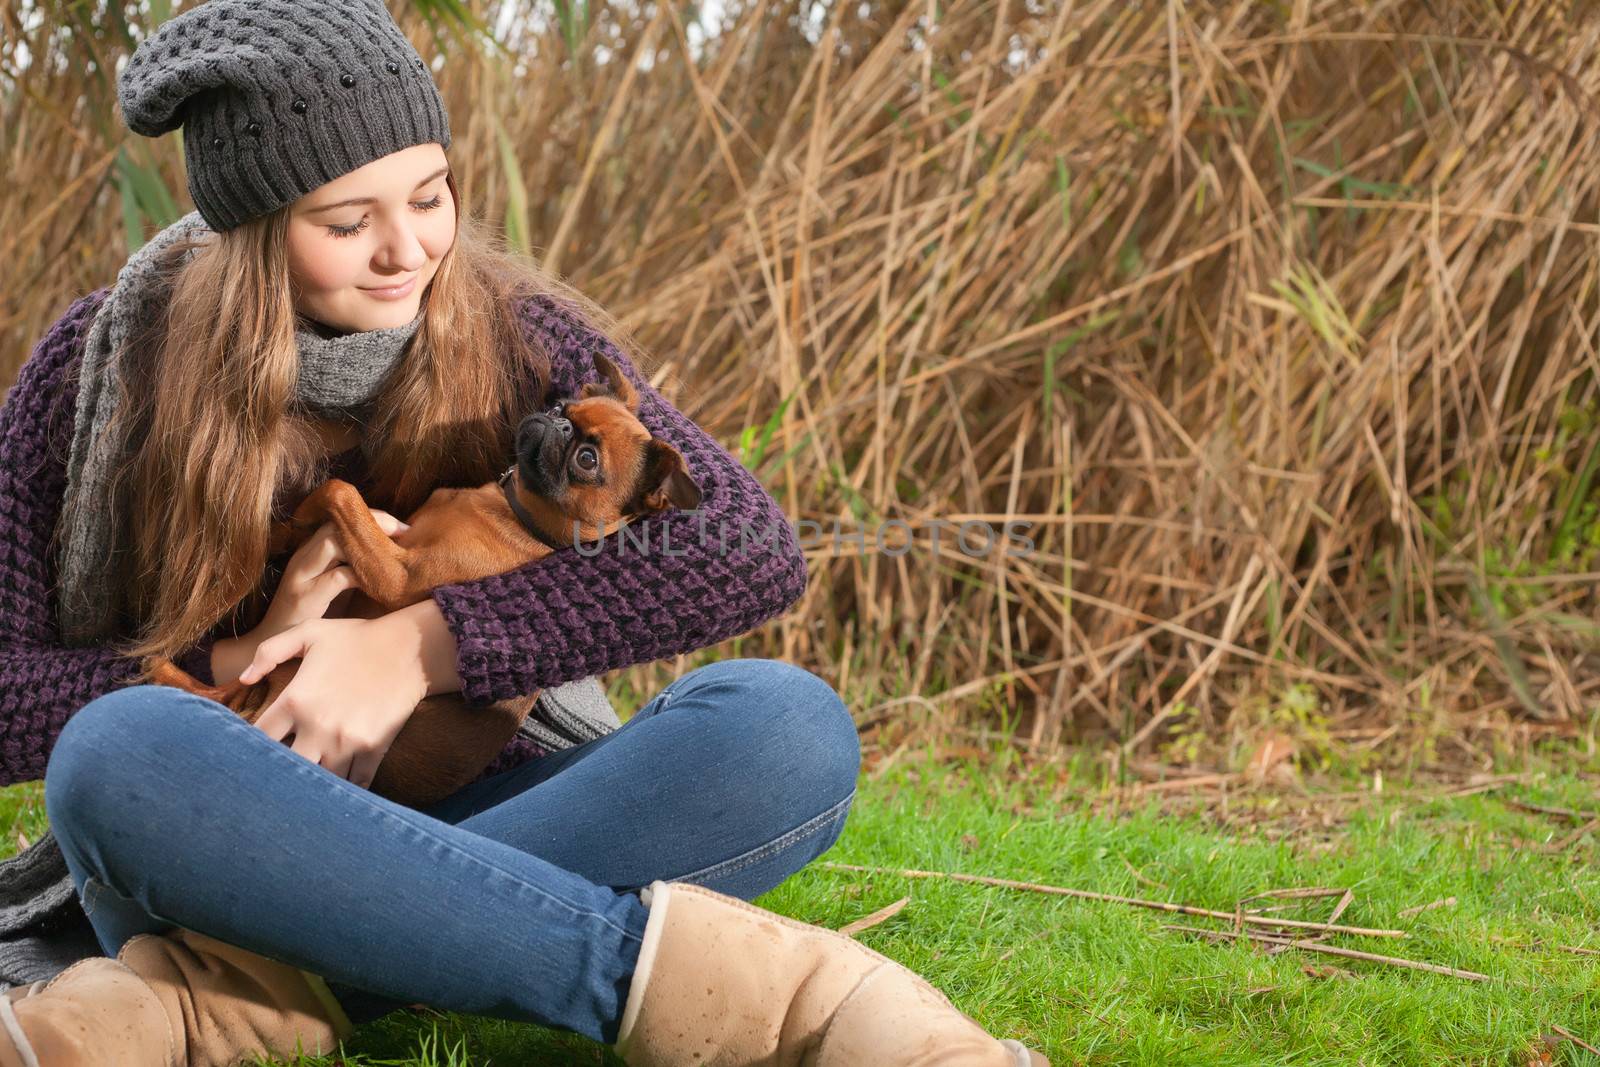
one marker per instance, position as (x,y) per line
(1084,894)
(1499,781)
(869,921)
(1345,900)
(1202,781)
(1573,838)
(1297,893)
(1574,1038)
(1447,902)
(1541,809)
(1331,950)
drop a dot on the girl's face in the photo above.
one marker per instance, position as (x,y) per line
(383,225)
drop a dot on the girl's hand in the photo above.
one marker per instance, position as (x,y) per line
(312,580)
(349,698)
(314,576)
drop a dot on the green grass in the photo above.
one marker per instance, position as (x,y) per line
(1092,982)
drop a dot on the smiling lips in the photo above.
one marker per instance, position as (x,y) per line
(393,292)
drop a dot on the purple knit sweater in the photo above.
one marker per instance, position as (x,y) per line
(566,617)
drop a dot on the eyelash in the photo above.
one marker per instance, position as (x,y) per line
(351,231)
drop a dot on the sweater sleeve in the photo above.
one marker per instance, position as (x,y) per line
(42,682)
(670,583)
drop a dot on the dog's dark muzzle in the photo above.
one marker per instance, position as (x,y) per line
(542,440)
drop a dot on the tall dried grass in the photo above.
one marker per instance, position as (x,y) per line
(1277,321)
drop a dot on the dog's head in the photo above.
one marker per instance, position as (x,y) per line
(590,460)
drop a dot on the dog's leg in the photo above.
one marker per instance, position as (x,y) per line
(381,566)
(307,517)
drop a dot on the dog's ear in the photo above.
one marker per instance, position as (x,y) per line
(612,382)
(666,482)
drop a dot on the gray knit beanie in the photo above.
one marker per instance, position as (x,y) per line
(279,97)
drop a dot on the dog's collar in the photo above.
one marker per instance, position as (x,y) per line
(522,513)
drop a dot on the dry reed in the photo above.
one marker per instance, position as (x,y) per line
(1277,321)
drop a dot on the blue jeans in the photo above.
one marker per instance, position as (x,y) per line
(515,897)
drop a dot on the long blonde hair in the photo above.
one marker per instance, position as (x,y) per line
(209,438)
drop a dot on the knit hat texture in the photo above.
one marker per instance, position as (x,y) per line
(279,97)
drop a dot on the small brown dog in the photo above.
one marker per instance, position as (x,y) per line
(589,462)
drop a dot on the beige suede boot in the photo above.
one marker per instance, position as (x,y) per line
(96,1011)
(722,983)
(177,999)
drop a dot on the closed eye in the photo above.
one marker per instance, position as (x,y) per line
(419,205)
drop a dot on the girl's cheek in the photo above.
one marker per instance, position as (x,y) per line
(324,265)
(440,234)
(332,272)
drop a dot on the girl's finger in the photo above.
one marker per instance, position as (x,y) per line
(258,667)
(339,763)
(335,581)
(320,551)
(364,768)
(273,722)
(273,651)
(388,523)
(308,745)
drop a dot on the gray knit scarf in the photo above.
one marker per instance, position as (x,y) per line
(337,374)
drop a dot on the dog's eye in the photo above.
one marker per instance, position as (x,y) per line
(587,458)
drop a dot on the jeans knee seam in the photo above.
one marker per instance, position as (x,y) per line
(755,855)
(95,886)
